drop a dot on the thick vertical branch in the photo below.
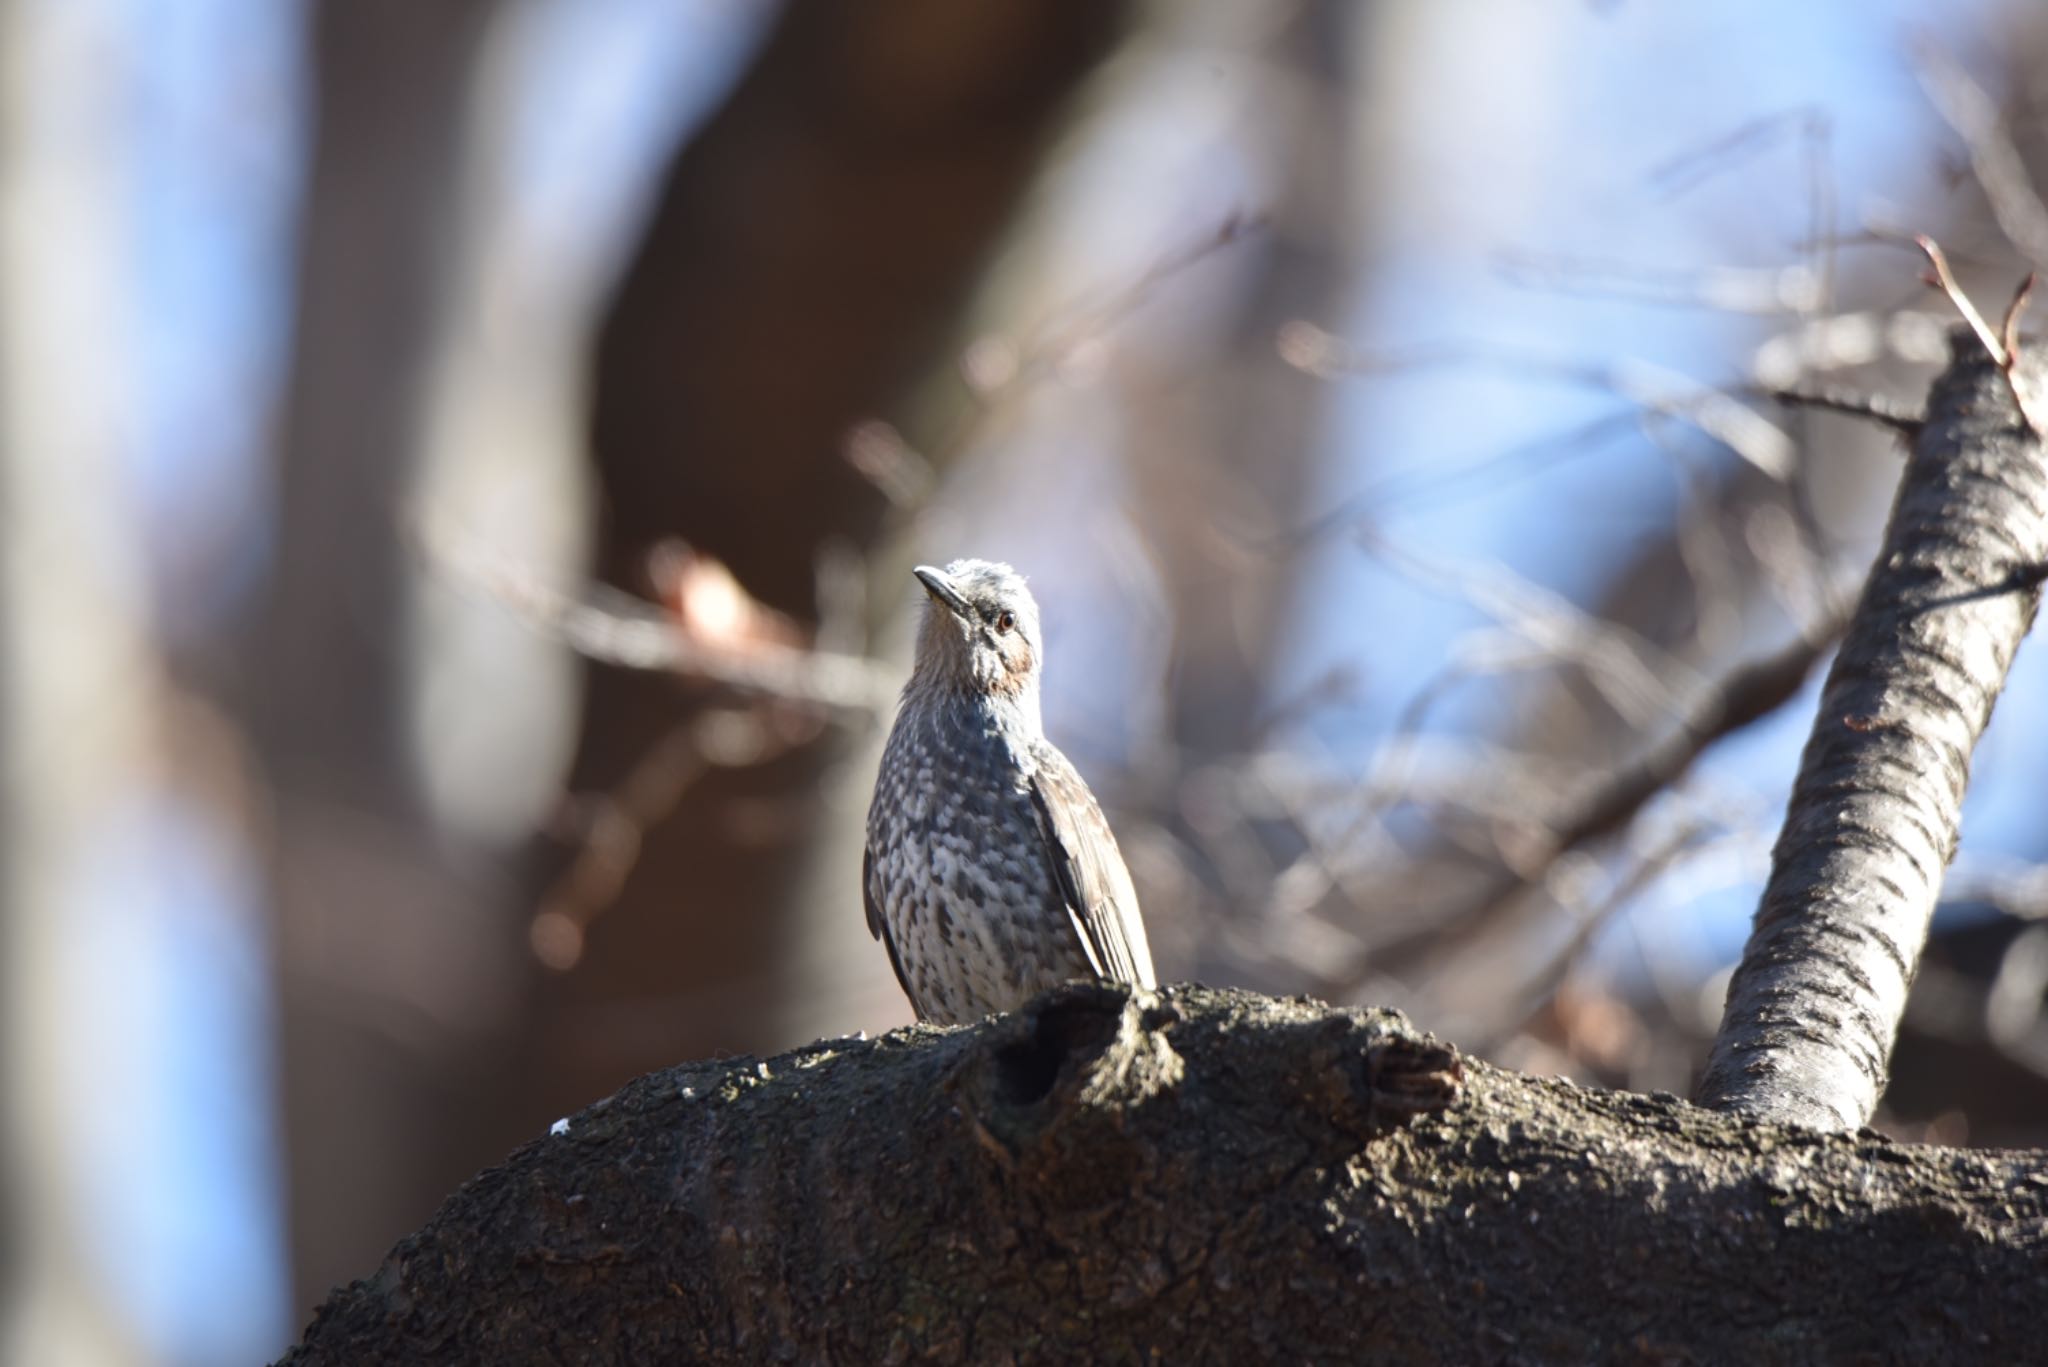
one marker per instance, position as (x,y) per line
(1814,1005)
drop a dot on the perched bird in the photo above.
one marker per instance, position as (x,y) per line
(990,873)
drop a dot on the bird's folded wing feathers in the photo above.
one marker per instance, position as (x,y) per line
(1090,870)
(879,928)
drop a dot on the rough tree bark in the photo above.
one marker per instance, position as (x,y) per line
(1815,1004)
(1196,1176)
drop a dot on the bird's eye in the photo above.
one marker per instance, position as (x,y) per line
(1004,621)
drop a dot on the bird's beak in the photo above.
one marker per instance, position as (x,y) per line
(942,591)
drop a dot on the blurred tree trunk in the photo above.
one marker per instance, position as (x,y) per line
(76,675)
(804,264)
(396,963)
(1226,473)
(1224,467)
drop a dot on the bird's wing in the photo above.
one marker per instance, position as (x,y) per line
(879,927)
(1090,870)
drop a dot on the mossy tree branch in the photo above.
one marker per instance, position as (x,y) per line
(1196,1176)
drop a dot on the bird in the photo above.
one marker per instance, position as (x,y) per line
(990,873)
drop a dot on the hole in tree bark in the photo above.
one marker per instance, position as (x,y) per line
(1062,1029)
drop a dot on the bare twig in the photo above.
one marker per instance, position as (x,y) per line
(1076,326)
(1732,150)
(1745,695)
(2009,331)
(1393,779)
(1724,289)
(1994,159)
(1817,132)
(616,628)
(607,829)
(1542,985)
(997,370)
(1944,280)
(1843,341)
(880,455)
(1637,677)
(2002,350)
(1652,389)
(1871,407)
(1518,461)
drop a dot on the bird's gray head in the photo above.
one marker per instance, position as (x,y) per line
(980,631)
